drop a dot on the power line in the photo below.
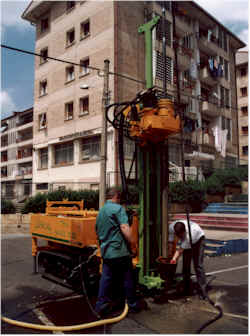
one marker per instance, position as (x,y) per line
(113,73)
(72,63)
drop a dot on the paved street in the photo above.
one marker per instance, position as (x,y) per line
(22,292)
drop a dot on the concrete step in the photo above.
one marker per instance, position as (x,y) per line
(232,223)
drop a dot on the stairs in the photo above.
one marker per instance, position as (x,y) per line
(227,208)
(229,222)
(19,207)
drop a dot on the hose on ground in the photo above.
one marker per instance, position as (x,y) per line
(214,305)
(67,328)
(220,314)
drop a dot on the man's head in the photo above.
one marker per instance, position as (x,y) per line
(180,230)
(114,194)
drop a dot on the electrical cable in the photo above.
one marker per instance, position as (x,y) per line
(74,327)
(198,98)
(69,62)
(67,328)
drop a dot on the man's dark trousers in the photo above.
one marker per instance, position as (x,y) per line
(198,254)
(116,282)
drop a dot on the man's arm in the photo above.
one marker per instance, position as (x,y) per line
(126,231)
(177,254)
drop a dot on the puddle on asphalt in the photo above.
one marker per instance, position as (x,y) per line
(71,312)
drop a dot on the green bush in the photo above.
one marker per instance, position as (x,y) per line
(186,192)
(213,185)
(221,178)
(35,204)
(7,207)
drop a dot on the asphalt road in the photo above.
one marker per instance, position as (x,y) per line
(22,291)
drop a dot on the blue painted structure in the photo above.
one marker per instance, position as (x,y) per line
(227,208)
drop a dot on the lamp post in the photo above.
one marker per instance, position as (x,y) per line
(103,167)
(105,102)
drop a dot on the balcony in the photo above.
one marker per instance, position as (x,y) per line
(184,56)
(210,108)
(182,27)
(25,120)
(24,153)
(22,171)
(206,77)
(209,47)
(4,141)
(4,158)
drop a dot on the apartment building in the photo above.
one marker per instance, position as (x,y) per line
(242,93)
(67,119)
(16,155)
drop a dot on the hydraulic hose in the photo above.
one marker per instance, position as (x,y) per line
(220,314)
(67,328)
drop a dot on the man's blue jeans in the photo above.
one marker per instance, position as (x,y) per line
(117,283)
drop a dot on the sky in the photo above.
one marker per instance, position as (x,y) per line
(17,70)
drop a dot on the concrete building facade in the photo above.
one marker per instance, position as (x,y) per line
(242,93)
(67,119)
(17,155)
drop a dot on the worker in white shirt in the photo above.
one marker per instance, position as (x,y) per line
(180,229)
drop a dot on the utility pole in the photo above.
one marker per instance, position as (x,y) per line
(103,163)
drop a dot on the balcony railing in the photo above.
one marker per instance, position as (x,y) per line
(4,158)
(24,138)
(23,155)
(24,121)
(24,171)
(206,77)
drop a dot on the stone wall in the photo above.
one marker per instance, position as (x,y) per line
(15,223)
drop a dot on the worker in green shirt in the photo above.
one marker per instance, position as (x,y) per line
(114,234)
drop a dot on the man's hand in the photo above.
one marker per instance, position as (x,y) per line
(173,262)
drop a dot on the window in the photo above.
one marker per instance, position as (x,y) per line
(230,162)
(84,69)
(226,123)
(70,74)
(91,148)
(43,158)
(84,106)
(44,55)
(43,88)
(244,110)
(84,29)
(44,24)
(224,97)
(70,5)
(165,4)
(129,148)
(244,130)
(42,186)
(69,111)
(243,72)
(226,68)
(245,150)
(243,91)
(222,39)
(64,153)
(187,41)
(70,37)
(42,121)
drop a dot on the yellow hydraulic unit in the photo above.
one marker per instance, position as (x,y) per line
(156,124)
(65,245)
